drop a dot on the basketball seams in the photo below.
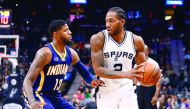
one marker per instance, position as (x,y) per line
(156,73)
(150,74)
(144,70)
(155,77)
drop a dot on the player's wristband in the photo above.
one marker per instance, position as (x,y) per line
(31,101)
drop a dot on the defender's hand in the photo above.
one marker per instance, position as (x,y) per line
(95,83)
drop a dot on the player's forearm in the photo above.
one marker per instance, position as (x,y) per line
(107,73)
(157,92)
(158,87)
(27,89)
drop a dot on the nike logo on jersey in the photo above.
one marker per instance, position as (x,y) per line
(56,59)
(117,54)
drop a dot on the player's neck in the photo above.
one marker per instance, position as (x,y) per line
(59,46)
(119,37)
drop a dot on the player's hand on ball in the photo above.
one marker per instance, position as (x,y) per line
(95,83)
(133,73)
(138,66)
(37,105)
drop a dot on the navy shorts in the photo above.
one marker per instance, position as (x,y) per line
(144,97)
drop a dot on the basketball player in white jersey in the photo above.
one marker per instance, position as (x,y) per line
(112,53)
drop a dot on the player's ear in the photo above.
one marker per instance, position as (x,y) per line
(55,34)
(122,21)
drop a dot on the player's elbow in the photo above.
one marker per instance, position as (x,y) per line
(27,82)
(24,85)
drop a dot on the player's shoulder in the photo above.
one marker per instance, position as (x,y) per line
(44,51)
(97,41)
(74,54)
(136,38)
(75,57)
(98,36)
(72,51)
(138,42)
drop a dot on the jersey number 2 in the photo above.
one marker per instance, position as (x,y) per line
(118,67)
(58,84)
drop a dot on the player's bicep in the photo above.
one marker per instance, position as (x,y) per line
(41,59)
(97,58)
(140,53)
(140,57)
(96,52)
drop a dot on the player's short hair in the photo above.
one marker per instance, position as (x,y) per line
(120,12)
(55,25)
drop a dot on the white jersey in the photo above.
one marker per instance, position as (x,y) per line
(118,57)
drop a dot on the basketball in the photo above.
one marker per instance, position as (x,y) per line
(151,73)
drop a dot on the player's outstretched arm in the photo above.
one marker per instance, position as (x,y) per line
(43,56)
(81,68)
(97,44)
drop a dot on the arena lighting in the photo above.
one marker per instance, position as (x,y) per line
(167,18)
(78,1)
(174,2)
(170,27)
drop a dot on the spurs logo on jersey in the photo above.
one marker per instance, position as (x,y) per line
(118,57)
(118,54)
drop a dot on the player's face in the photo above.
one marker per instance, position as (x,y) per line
(65,34)
(113,23)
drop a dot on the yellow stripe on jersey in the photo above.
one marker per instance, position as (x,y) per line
(40,97)
(26,101)
(62,57)
(41,82)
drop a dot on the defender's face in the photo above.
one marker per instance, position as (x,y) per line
(65,34)
(112,23)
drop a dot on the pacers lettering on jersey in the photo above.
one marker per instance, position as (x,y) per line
(117,54)
(57,69)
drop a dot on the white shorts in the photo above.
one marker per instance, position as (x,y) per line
(121,98)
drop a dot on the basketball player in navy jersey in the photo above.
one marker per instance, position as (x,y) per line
(147,95)
(43,81)
(112,53)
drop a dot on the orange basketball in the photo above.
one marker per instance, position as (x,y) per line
(152,72)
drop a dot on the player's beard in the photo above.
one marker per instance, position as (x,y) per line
(113,33)
(67,41)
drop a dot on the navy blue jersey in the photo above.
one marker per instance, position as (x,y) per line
(51,77)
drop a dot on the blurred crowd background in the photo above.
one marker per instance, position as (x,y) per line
(165,28)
